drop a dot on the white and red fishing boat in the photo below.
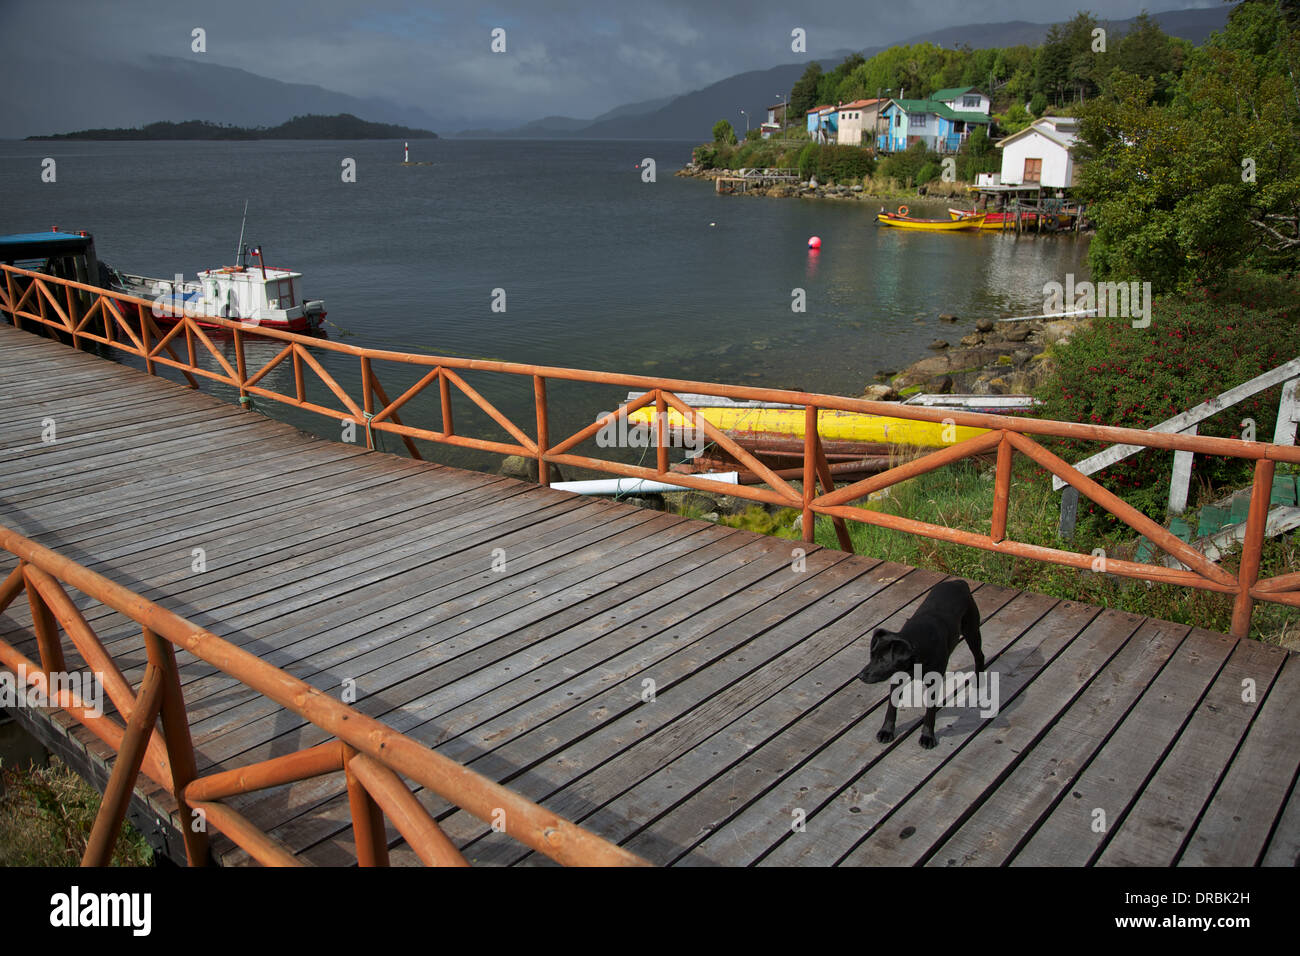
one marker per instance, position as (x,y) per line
(259,295)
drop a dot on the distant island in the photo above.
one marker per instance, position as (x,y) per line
(341,126)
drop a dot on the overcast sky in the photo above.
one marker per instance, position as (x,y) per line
(570,57)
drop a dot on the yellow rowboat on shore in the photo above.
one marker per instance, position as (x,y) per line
(832,425)
(930,225)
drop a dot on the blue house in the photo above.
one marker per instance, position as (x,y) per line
(823,124)
(935,123)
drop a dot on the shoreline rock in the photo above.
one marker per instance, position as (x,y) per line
(997,358)
(812,189)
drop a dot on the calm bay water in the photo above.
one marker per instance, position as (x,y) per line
(600,269)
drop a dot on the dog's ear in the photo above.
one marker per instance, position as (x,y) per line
(878,637)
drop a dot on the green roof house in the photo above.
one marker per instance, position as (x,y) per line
(932,121)
(964,99)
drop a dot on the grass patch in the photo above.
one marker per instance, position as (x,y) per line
(961,496)
(46,814)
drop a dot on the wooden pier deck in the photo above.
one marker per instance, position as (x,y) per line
(516,629)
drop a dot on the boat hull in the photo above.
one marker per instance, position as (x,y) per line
(929,225)
(306,323)
(1007,220)
(756,424)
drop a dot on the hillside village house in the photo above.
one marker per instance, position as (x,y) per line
(966,99)
(823,124)
(943,122)
(775,121)
(1041,154)
(857,122)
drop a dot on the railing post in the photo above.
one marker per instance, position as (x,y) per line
(180,746)
(809,470)
(240,366)
(828,485)
(661,432)
(69,303)
(1001,491)
(47,634)
(121,783)
(1288,413)
(299,386)
(543,430)
(367,398)
(9,291)
(1069,512)
(1180,478)
(144,340)
(368,831)
(1261,492)
(444,398)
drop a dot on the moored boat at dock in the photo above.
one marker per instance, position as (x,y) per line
(902,220)
(254,295)
(1006,220)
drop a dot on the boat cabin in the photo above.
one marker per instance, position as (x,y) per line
(248,291)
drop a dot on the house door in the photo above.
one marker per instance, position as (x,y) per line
(1033,171)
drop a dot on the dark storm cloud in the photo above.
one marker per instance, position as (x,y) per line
(569,57)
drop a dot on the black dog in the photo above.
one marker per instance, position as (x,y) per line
(947,615)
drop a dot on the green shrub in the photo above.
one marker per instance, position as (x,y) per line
(1197,346)
(930,171)
(906,166)
(842,164)
(807,160)
(715,156)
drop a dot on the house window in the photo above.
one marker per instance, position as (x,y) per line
(917,120)
(1033,170)
(970,101)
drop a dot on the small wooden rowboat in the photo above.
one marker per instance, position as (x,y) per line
(903,221)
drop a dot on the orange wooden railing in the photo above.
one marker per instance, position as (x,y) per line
(130,325)
(153,736)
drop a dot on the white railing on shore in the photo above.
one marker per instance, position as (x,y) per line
(1186,423)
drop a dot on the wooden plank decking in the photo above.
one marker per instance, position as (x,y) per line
(341,565)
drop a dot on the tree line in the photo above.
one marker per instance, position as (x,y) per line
(1067,67)
(311,126)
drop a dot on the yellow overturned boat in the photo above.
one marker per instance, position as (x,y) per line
(750,425)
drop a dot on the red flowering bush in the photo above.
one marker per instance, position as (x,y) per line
(1196,347)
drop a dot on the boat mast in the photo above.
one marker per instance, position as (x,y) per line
(239,262)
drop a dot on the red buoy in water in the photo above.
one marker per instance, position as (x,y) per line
(815,242)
